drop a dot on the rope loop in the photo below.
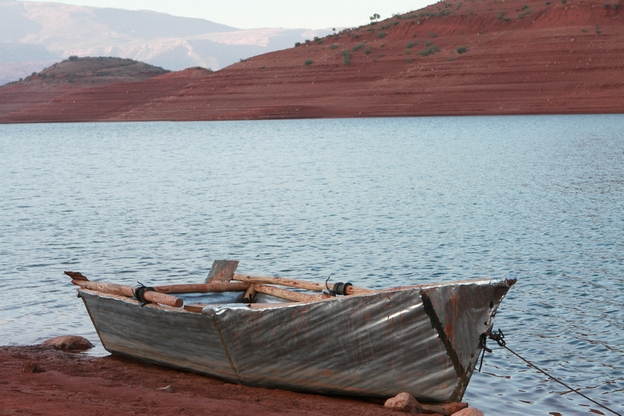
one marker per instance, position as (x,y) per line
(499,337)
(139,292)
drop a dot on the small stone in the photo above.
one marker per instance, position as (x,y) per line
(168,389)
(68,343)
(469,411)
(31,367)
(404,402)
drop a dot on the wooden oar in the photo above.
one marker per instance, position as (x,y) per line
(301,284)
(123,290)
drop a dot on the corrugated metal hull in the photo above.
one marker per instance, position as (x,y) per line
(422,341)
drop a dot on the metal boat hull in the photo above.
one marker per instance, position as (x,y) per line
(422,340)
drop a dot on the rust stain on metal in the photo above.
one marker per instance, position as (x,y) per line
(452,312)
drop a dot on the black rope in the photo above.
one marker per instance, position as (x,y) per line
(499,337)
(139,292)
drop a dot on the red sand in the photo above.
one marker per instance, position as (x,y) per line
(77,384)
(545,59)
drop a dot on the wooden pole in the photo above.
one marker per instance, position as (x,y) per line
(123,290)
(250,294)
(288,294)
(203,287)
(301,284)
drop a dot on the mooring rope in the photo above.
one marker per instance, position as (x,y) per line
(499,337)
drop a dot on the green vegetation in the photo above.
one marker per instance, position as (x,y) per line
(564,1)
(297,44)
(407,51)
(333,46)
(358,46)
(430,50)
(308,62)
(527,11)
(428,43)
(500,14)
(432,35)
(346,56)
(462,49)
(411,45)
(381,35)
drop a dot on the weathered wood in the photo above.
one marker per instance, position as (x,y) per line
(222,271)
(250,294)
(76,275)
(203,287)
(287,294)
(197,308)
(301,284)
(123,290)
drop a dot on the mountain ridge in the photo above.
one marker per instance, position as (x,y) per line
(481,57)
(38,34)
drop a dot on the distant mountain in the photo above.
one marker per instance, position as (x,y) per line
(482,57)
(35,35)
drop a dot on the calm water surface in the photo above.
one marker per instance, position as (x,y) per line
(378,202)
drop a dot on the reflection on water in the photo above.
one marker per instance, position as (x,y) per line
(379,202)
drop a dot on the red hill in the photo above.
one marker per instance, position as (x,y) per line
(479,57)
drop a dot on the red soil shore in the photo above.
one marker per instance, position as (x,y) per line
(78,384)
(521,57)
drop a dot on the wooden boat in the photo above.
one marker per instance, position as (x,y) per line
(424,339)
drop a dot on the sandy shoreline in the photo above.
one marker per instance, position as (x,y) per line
(79,384)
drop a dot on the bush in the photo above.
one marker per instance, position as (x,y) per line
(333,46)
(430,50)
(500,14)
(346,56)
(358,47)
(411,45)
(308,62)
(462,49)
(381,35)
(297,44)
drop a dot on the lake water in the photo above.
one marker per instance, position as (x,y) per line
(378,202)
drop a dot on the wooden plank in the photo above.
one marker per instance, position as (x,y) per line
(197,308)
(203,287)
(222,271)
(301,284)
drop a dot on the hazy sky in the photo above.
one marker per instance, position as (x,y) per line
(247,14)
